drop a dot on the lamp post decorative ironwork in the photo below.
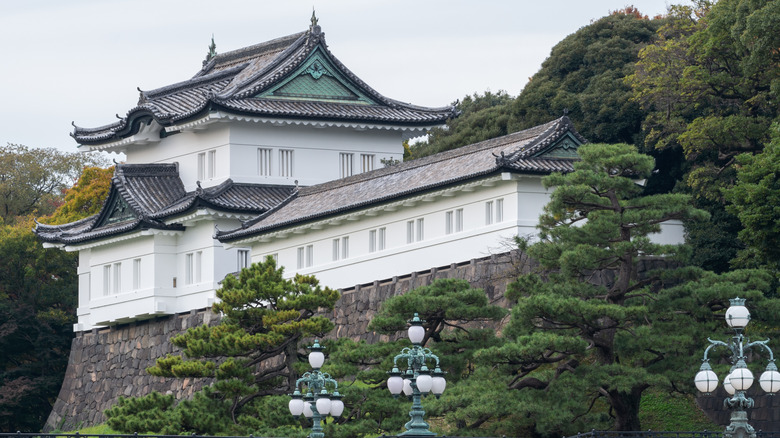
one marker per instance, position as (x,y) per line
(317,402)
(417,380)
(740,378)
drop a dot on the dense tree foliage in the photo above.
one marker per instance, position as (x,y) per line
(755,200)
(38,287)
(583,75)
(37,310)
(84,199)
(459,321)
(32,180)
(710,86)
(567,332)
(251,353)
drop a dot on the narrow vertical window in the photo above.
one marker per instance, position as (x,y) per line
(410,232)
(136,274)
(189,266)
(372,241)
(488,212)
(275,256)
(117,278)
(380,244)
(201,166)
(309,255)
(345,247)
(366,162)
(459,220)
(345,165)
(499,210)
(212,163)
(264,162)
(301,259)
(448,222)
(336,251)
(243,259)
(286,163)
(106,280)
(198,266)
(420,229)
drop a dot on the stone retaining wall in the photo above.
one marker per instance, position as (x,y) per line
(108,363)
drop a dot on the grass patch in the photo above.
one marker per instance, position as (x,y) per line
(666,412)
(99,429)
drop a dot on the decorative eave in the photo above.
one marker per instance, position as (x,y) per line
(206,214)
(122,237)
(147,134)
(222,117)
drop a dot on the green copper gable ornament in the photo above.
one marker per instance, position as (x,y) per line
(212,51)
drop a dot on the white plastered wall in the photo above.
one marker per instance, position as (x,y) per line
(522,201)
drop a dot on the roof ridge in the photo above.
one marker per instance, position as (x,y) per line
(254,49)
(412,164)
(172,88)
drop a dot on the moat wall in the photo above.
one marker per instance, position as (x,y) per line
(107,363)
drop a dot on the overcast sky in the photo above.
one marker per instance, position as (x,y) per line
(82,60)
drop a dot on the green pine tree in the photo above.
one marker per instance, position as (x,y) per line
(251,353)
(580,353)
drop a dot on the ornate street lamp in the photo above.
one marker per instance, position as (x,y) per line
(739,379)
(417,380)
(316,403)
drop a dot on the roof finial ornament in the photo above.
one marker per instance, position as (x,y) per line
(212,51)
(565,112)
(199,190)
(315,27)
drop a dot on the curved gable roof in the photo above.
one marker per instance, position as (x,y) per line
(143,196)
(235,82)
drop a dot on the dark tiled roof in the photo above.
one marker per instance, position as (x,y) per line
(517,152)
(154,192)
(232,81)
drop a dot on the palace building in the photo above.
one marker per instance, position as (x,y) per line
(279,150)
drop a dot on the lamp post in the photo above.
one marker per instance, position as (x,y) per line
(417,380)
(740,378)
(317,403)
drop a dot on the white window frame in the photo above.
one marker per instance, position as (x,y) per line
(189,268)
(372,240)
(242,259)
(458,220)
(264,161)
(410,231)
(381,239)
(107,280)
(488,212)
(301,258)
(346,167)
(198,266)
(420,229)
(367,162)
(117,278)
(336,249)
(345,247)
(212,164)
(448,222)
(201,166)
(136,274)
(286,163)
(499,210)
(309,255)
